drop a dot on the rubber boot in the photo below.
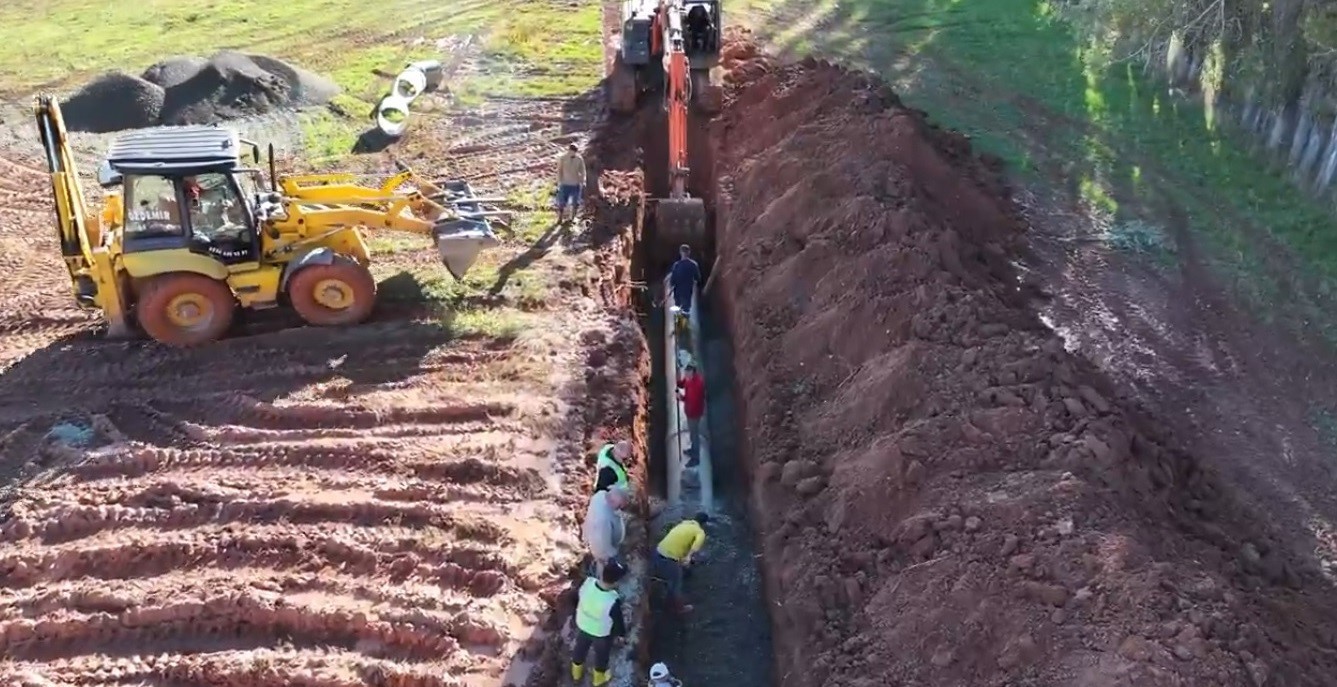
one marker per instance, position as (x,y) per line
(601,678)
(577,672)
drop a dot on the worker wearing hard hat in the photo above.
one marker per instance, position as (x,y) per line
(660,677)
(604,528)
(599,622)
(610,466)
(674,555)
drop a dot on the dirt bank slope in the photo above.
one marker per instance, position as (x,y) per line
(947,496)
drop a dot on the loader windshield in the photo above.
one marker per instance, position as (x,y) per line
(220,222)
(153,207)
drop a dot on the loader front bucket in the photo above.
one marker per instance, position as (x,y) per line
(679,221)
(459,241)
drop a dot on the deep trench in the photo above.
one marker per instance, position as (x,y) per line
(726,639)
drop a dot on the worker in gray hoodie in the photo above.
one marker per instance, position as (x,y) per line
(604,528)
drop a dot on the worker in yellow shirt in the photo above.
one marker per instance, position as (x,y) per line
(674,555)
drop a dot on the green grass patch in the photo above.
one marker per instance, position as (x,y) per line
(544,48)
(494,324)
(1017,78)
(494,280)
(522,57)
(64,42)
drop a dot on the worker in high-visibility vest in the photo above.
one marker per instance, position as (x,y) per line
(611,467)
(599,623)
(674,555)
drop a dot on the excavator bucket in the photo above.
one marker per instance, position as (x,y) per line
(681,220)
(459,241)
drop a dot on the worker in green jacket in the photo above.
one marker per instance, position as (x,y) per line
(599,622)
(610,466)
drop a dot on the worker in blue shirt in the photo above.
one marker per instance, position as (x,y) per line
(683,278)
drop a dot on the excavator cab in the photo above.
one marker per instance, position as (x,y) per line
(701,33)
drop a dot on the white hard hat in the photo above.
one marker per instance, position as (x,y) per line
(659,671)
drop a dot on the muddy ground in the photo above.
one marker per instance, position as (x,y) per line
(386,504)
(946,494)
(946,491)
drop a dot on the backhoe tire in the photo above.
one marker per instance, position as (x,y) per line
(338,294)
(184,309)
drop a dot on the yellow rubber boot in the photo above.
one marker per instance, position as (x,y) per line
(600,678)
(577,672)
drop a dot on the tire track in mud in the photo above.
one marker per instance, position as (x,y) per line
(243,668)
(255,520)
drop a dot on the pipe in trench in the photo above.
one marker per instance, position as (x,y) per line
(682,346)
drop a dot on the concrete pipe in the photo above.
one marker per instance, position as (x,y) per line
(680,349)
(434,72)
(409,84)
(392,115)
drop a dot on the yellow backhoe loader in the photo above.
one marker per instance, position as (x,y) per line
(188,233)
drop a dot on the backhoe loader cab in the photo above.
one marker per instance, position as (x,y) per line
(185,188)
(188,233)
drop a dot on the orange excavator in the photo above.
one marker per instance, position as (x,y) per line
(683,37)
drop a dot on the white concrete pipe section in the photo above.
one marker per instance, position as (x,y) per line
(679,350)
(410,84)
(392,115)
(433,72)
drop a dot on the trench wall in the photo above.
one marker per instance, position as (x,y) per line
(944,495)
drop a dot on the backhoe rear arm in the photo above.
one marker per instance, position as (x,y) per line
(89,263)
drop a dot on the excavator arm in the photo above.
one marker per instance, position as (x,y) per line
(90,265)
(679,218)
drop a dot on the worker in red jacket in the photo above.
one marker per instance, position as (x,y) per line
(692,391)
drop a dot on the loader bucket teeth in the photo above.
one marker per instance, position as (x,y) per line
(681,220)
(459,241)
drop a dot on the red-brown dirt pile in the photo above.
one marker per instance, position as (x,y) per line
(945,495)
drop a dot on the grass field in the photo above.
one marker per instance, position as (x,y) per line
(552,47)
(513,48)
(1013,75)
(544,48)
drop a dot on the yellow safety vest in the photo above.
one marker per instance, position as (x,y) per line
(594,610)
(606,460)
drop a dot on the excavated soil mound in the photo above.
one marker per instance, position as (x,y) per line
(113,102)
(174,71)
(945,495)
(193,90)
